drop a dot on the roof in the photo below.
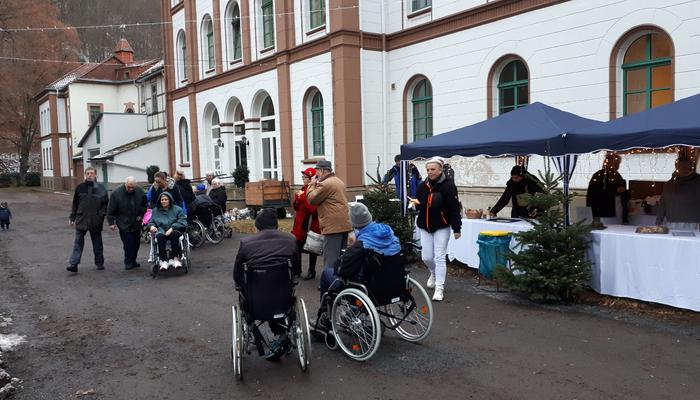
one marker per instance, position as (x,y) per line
(90,129)
(155,69)
(127,147)
(123,45)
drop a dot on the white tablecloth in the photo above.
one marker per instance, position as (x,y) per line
(466,250)
(659,268)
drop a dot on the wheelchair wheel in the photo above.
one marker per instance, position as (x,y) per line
(237,342)
(186,252)
(356,324)
(196,230)
(302,334)
(413,315)
(215,233)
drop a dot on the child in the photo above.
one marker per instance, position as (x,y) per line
(5,216)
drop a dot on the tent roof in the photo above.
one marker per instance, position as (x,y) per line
(677,123)
(533,129)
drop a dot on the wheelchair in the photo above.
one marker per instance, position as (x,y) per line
(267,294)
(185,258)
(212,223)
(384,297)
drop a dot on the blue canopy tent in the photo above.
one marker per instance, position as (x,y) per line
(677,123)
(533,129)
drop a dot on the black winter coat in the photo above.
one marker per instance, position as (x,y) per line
(513,189)
(602,191)
(89,206)
(126,209)
(219,197)
(185,188)
(267,247)
(439,205)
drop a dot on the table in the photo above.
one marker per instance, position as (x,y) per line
(466,250)
(659,268)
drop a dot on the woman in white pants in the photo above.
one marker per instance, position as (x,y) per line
(439,213)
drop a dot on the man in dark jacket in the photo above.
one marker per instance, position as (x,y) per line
(184,185)
(519,186)
(604,188)
(88,214)
(126,208)
(268,247)
(163,184)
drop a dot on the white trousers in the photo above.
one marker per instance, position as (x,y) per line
(434,248)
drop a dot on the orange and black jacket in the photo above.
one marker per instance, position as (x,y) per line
(439,205)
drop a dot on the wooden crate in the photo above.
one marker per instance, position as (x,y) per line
(267,193)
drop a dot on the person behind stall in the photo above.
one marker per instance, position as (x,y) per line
(680,202)
(414,178)
(603,189)
(520,184)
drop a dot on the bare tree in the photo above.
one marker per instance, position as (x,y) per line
(29,60)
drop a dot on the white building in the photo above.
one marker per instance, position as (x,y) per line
(289,82)
(69,107)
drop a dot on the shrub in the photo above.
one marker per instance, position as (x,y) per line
(240,176)
(32,179)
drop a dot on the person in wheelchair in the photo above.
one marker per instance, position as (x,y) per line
(202,205)
(369,235)
(168,221)
(268,247)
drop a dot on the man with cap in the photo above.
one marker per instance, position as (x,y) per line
(519,186)
(327,192)
(268,246)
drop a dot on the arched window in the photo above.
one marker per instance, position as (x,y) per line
(208,44)
(241,140)
(316,134)
(513,87)
(269,139)
(184,141)
(647,73)
(233,36)
(422,103)
(181,56)
(216,140)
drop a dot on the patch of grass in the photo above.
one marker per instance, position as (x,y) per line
(248,225)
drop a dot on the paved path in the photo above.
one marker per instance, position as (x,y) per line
(128,336)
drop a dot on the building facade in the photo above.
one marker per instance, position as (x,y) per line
(70,106)
(279,84)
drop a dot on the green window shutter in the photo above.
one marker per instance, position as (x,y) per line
(236,30)
(513,85)
(210,49)
(97,134)
(422,110)
(268,24)
(317,136)
(420,4)
(317,13)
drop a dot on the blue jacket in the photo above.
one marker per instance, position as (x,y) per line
(380,238)
(5,214)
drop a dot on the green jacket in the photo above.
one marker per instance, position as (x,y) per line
(164,219)
(126,209)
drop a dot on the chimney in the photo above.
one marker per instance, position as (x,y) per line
(124,52)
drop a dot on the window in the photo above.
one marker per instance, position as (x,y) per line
(215,140)
(422,101)
(184,142)
(154,98)
(97,134)
(268,23)
(317,13)
(317,140)
(269,139)
(417,5)
(181,56)
(208,43)
(647,74)
(267,115)
(513,87)
(95,112)
(235,50)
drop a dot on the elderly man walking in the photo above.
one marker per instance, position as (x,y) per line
(126,208)
(327,192)
(88,214)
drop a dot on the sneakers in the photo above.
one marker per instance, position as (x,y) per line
(163,266)
(438,295)
(431,281)
(150,257)
(278,348)
(176,263)
(72,268)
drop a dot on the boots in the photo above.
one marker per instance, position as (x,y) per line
(310,275)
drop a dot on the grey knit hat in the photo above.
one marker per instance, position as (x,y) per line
(324,164)
(359,215)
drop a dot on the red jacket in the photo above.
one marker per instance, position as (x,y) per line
(303,211)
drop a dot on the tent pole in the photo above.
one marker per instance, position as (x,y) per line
(567,221)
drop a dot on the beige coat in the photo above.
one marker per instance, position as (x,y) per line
(329,197)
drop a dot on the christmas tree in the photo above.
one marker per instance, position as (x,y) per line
(551,264)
